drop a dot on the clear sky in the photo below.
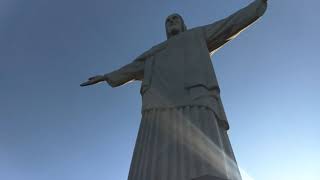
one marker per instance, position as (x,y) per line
(51,128)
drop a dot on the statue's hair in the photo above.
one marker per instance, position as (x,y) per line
(184,27)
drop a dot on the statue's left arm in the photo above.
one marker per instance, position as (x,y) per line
(220,32)
(129,72)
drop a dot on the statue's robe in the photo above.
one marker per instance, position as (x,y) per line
(183,131)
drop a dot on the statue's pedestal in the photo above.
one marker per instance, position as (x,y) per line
(208,177)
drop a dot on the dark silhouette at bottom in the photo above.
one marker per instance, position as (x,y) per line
(208,177)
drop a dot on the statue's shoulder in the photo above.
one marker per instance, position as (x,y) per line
(152,51)
(196,31)
(159,47)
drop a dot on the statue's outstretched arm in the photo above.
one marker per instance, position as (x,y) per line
(220,32)
(129,72)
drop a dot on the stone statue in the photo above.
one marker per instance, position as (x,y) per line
(183,131)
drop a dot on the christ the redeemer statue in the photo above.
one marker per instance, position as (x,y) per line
(183,131)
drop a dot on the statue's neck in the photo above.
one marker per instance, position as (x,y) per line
(173,34)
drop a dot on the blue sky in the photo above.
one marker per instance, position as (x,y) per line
(50,128)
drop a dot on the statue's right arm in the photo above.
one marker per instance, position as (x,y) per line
(129,72)
(134,70)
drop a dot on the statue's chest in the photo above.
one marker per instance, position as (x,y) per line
(179,48)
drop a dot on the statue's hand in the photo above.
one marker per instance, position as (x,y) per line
(93,80)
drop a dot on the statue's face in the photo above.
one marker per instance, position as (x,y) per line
(174,24)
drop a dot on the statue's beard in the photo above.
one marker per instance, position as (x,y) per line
(174,32)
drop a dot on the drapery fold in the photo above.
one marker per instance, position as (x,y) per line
(182,144)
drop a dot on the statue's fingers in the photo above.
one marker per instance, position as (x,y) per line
(86,83)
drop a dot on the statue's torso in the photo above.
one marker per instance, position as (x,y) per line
(180,74)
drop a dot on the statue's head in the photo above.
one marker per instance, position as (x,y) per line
(174,25)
